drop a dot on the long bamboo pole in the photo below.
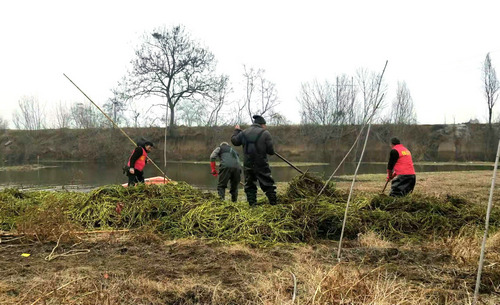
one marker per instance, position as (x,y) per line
(357,167)
(114,124)
(351,191)
(353,145)
(338,166)
(486,226)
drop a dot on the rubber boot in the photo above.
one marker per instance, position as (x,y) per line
(271,196)
(234,197)
(222,193)
(252,198)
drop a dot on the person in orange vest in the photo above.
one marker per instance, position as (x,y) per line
(400,170)
(137,161)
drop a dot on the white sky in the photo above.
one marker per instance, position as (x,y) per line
(437,47)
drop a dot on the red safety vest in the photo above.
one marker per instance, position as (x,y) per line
(141,162)
(404,165)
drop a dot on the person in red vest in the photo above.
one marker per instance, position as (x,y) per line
(137,161)
(400,170)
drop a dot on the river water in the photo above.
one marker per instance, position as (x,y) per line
(85,175)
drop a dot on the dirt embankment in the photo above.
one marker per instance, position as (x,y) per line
(461,142)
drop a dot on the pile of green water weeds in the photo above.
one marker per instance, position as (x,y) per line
(180,211)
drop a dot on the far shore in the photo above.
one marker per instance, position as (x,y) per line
(25,168)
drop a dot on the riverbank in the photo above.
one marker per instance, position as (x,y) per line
(24,168)
(297,143)
(142,266)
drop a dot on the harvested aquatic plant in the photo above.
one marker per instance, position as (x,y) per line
(420,216)
(308,185)
(180,210)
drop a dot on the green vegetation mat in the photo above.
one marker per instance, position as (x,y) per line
(179,211)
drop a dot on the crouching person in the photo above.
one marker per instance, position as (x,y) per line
(229,170)
(400,170)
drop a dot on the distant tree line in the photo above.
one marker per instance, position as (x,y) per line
(173,81)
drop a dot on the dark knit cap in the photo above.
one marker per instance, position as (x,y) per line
(395,141)
(257,119)
(143,142)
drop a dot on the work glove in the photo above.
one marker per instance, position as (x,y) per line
(214,170)
(390,175)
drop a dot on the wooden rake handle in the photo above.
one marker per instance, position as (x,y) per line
(383,190)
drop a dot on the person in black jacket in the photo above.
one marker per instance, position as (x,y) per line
(229,170)
(137,161)
(257,144)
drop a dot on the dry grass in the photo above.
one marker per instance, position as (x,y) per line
(121,271)
(372,239)
(493,242)
(473,185)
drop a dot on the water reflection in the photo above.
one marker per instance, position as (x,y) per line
(96,174)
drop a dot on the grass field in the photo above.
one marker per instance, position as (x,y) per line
(73,264)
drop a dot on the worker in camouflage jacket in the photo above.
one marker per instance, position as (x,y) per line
(229,170)
(257,144)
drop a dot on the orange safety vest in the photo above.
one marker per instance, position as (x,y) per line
(141,162)
(404,165)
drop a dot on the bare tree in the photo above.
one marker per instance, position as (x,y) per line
(170,64)
(3,124)
(206,111)
(63,115)
(30,114)
(261,94)
(115,106)
(340,103)
(238,113)
(217,99)
(372,96)
(491,85)
(85,117)
(278,119)
(191,113)
(327,103)
(349,97)
(317,103)
(345,99)
(332,105)
(403,111)
(135,112)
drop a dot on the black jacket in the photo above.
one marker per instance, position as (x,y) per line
(257,144)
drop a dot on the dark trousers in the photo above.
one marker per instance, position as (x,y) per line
(402,185)
(231,175)
(137,177)
(266,182)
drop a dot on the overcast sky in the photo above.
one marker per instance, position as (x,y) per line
(436,47)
